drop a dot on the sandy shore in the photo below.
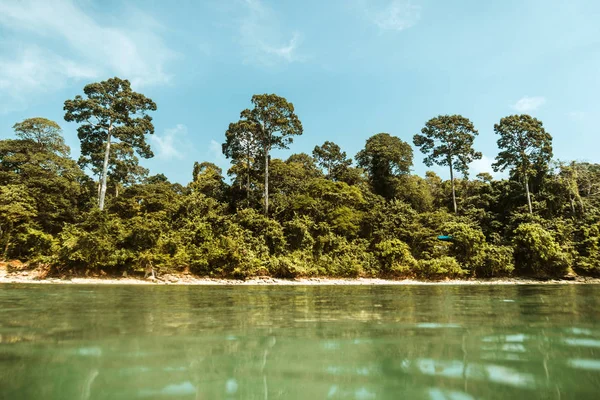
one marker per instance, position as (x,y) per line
(33,276)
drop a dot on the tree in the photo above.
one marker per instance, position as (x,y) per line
(385,157)
(525,146)
(276,124)
(16,209)
(56,183)
(119,113)
(447,140)
(331,157)
(45,133)
(241,145)
(208,179)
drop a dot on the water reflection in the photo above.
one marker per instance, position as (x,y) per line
(417,342)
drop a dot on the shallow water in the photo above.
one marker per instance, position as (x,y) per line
(291,342)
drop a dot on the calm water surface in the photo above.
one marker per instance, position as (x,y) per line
(320,342)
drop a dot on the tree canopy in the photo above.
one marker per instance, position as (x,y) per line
(447,140)
(300,215)
(110,111)
(384,158)
(525,147)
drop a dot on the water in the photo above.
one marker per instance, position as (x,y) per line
(320,342)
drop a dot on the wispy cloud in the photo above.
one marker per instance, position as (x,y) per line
(262,38)
(215,155)
(484,165)
(395,15)
(61,42)
(527,104)
(169,145)
(576,115)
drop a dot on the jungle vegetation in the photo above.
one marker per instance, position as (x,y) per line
(319,214)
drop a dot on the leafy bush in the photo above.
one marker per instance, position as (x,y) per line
(538,253)
(437,268)
(395,258)
(494,261)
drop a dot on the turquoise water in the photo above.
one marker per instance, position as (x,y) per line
(291,342)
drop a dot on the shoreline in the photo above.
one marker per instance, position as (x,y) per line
(29,277)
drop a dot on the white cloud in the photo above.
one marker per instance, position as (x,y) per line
(576,115)
(215,154)
(482,165)
(34,70)
(396,15)
(76,45)
(262,38)
(527,104)
(168,145)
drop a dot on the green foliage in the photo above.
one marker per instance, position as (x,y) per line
(494,261)
(271,124)
(45,133)
(208,179)
(376,220)
(17,209)
(448,140)
(538,253)
(331,157)
(437,268)
(467,245)
(118,114)
(587,238)
(384,158)
(395,258)
(525,147)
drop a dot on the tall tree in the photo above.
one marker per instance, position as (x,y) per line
(110,111)
(525,147)
(45,133)
(241,145)
(447,140)
(16,209)
(385,157)
(331,157)
(276,124)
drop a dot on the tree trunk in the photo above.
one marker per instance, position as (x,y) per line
(267,182)
(248,179)
(453,191)
(8,235)
(528,195)
(105,170)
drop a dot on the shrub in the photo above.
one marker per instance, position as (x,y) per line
(442,267)
(395,258)
(538,253)
(494,260)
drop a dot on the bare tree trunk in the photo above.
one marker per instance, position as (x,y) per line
(453,191)
(528,195)
(8,235)
(248,179)
(105,170)
(267,182)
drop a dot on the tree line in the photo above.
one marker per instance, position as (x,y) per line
(319,214)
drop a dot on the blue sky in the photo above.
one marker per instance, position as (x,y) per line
(352,68)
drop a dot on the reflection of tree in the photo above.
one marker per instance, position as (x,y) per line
(298,342)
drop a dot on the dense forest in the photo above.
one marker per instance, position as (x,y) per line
(319,214)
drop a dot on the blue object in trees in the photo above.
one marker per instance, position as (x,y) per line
(446,238)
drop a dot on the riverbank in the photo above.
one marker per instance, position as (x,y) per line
(39,276)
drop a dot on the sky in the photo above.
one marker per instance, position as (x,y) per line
(352,68)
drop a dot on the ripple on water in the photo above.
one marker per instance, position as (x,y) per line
(476,371)
(584,363)
(436,325)
(578,342)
